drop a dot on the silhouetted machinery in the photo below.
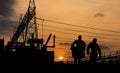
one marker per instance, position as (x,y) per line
(32,50)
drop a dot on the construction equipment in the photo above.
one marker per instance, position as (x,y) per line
(35,51)
(31,12)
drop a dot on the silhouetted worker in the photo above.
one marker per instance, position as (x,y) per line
(78,49)
(95,52)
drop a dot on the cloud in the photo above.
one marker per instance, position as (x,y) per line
(6,11)
(7,26)
(99,15)
(6,7)
(104,47)
(65,44)
(69,44)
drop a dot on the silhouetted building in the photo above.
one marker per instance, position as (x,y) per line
(1,43)
(1,50)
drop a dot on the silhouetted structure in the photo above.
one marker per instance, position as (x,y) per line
(95,51)
(1,50)
(78,49)
(30,50)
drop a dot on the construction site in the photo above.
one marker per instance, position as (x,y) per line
(26,47)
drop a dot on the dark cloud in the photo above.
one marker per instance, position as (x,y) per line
(104,47)
(65,44)
(69,44)
(99,15)
(6,7)
(6,11)
(7,26)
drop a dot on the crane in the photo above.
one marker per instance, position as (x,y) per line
(30,52)
(31,12)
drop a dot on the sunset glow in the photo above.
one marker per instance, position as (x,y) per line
(66,19)
(61,58)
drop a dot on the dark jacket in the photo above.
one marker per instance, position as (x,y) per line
(78,48)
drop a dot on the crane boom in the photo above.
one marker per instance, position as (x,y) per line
(31,12)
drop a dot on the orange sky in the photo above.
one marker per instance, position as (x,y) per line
(101,14)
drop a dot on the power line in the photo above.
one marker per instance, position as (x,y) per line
(77,35)
(77,25)
(80,31)
(67,43)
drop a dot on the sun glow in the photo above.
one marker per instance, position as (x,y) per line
(61,58)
